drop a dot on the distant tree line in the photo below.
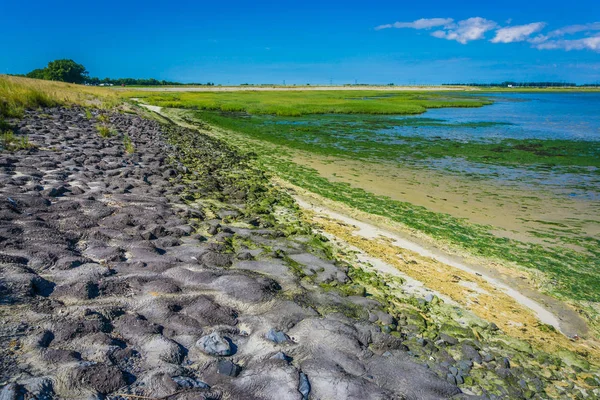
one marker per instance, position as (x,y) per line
(72,72)
(138,82)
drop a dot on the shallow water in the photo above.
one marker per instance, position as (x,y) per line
(570,116)
(520,116)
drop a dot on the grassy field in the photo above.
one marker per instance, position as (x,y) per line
(296,103)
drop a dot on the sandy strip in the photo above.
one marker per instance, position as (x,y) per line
(369,231)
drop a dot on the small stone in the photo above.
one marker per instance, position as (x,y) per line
(55,191)
(448,339)
(245,255)
(451,378)
(281,356)
(214,345)
(228,368)
(304,386)
(464,365)
(453,371)
(187,382)
(470,353)
(277,336)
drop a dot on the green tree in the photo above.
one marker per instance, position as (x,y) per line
(39,73)
(65,71)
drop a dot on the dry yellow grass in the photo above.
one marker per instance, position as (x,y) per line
(18,94)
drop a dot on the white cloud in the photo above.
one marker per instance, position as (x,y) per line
(588,43)
(475,29)
(571,29)
(539,39)
(517,33)
(466,30)
(423,23)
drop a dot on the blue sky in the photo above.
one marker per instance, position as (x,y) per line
(232,42)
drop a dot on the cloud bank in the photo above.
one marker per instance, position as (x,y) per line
(466,30)
(423,23)
(588,43)
(572,29)
(476,28)
(517,33)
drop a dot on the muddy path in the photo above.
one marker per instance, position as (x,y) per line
(548,310)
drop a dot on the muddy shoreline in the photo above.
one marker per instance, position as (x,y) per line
(177,271)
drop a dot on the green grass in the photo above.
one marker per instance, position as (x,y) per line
(104,131)
(18,94)
(128,144)
(12,142)
(15,98)
(296,103)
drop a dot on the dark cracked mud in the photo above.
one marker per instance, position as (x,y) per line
(114,284)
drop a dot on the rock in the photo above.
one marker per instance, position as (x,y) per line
(187,382)
(214,345)
(451,378)
(304,386)
(12,391)
(470,353)
(39,388)
(55,191)
(228,368)
(447,339)
(459,379)
(281,356)
(277,336)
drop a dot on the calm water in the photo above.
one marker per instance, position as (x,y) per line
(571,116)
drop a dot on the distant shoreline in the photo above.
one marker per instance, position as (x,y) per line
(284,88)
(432,88)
